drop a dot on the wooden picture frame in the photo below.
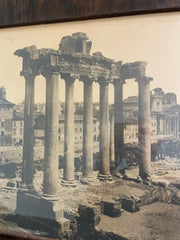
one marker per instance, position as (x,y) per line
(15,13)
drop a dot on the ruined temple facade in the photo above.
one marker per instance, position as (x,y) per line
(74,61)
(165,114)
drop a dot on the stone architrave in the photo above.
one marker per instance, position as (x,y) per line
(87,128)
(104,144)
(68,174)
(144,126)
(28,142)
(118,120)
(50,185)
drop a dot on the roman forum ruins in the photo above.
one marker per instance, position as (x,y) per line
(73,61)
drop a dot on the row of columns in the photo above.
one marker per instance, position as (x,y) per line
(168,124)
(51,129)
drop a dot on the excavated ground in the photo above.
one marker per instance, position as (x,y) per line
(158,218)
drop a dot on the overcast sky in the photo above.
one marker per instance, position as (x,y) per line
(154,38)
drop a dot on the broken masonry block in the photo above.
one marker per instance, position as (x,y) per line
(131,204)
(111,208)
(89,214)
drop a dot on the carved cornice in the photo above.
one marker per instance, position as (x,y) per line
(133,70)
(31,52)
(78,63)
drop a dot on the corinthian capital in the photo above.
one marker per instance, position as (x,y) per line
(69,76)
(87,78)
(47,71)
(103,80)
(29,73)
(144,79)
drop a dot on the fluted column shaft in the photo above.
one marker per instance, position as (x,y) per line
(68,175)
(118,120)
(144,125)
(104,132)
(112,150)
(28,138)
(88,130)
(51,135)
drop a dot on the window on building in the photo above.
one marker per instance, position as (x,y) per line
(75,129)
(80,129)
(59,138)
(2,124)
(14,124)
(2,133)
(59,130)
(21,131)
(21,123)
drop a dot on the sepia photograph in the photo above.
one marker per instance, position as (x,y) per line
(90,129)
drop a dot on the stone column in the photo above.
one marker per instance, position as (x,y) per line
(167,122)
(164,128)
(104,173)
(51,134)
(112,150)
(88,129)
(28,138)
(177,126)
(118,120)
(68,175)
(144,124)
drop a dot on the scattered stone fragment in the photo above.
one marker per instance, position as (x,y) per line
(89,214)
(111,208)
(131,204)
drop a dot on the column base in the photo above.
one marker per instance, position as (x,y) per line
(29,188)
(50,197)
(87,180)
(37,206)
(68,183)
(104,177)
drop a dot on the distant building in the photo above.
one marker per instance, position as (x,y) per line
(78,129)
(165,117)
(17,128)
(131,131)
(6,115)
(165,114)
(19,107)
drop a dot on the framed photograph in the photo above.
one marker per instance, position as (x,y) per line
(89,120)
